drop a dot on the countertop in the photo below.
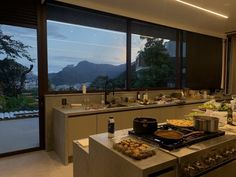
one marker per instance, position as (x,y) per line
(188,150)
(163,157)
(159,161)
(77,111)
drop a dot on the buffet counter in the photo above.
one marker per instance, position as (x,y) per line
(105,161)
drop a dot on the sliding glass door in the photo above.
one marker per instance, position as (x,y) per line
(19,108)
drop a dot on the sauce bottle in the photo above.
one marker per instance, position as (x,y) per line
(111,127)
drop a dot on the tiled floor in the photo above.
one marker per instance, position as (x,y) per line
(19,134)
(34,164)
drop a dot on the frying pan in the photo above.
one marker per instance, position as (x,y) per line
(172,136)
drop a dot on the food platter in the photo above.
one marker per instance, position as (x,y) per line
(134,148)
(180,123)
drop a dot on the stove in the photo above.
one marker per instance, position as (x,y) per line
(175,145)
(208,154)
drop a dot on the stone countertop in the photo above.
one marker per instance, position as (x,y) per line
(79,111)
(84,147)
(188,150)
(162,156)
(159,161)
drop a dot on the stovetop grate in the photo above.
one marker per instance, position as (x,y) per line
(185,142)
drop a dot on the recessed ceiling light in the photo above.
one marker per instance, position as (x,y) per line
(203,9)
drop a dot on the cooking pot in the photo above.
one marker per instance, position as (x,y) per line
(143,125)
(206,123)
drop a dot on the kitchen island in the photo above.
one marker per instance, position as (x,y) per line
(76,123)
(99,159)
(71,123)
(103,161)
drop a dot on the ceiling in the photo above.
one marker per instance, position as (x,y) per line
(171,13)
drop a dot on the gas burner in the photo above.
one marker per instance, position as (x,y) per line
(151,138)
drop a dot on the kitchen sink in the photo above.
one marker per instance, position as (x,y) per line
(118,105)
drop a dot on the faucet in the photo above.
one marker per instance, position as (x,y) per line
(107,90)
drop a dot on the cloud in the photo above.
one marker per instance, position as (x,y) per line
(53,31)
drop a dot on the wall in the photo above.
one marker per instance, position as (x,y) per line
(232,67)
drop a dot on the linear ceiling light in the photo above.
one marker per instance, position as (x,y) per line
(203,9)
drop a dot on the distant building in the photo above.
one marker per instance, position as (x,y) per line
(31,81)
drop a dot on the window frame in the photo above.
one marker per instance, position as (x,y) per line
(128,51)
(30,16)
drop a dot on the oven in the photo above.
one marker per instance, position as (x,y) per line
(227,170)
(201,155)
(212,158)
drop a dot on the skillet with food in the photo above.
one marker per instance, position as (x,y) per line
(172,136)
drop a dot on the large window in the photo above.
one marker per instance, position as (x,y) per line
(153,56)
(19,119)
(90,49)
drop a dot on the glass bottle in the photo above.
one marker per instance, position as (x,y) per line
(138,95)
(111,127)
(230,116)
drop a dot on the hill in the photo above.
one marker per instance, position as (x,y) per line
(84,72)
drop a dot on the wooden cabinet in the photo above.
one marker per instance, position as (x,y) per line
(182,110)
(103,118)
(80,127)
(130,116)
(151,113)
(66,129)
(167,113)
(123,120)
(160,113)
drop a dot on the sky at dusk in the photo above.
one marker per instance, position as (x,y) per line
(69,44)
(27,36)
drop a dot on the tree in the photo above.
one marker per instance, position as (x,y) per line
(157,69)
(13,49)
(12,73)
(12,77)
(98,83)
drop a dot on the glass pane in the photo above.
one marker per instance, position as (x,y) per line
(19,121)
(80,55)
(153,57)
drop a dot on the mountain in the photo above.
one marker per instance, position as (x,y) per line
(83,72)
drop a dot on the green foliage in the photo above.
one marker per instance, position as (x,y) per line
(2,103)
(98,83)
(18,103)
(12,73)
(12,77)
(158,68)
